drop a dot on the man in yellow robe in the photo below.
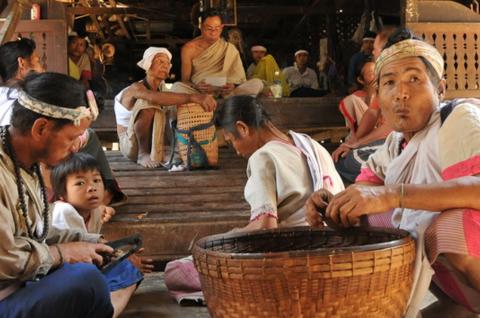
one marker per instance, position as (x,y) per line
(211,65)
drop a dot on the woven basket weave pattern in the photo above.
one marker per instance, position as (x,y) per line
(190,115)
(308,283)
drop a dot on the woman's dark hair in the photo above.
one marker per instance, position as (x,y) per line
(78,162)
(402,34)
(52,88)
(9,54)
(240,108)
(359,69)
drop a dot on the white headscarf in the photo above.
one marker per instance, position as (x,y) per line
(150,53)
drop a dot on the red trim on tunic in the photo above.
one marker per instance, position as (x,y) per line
(464,168)
(348,116)
(368,175)
(268,213)
(471,225)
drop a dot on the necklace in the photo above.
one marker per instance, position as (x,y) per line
(5,136)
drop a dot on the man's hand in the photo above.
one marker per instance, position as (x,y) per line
(227,89)
(316,206)
(107,213)
(207,102)
(205,88)
(346,207)
(84,252)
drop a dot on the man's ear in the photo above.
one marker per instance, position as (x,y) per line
(242,128)
(442,89)
(41,129)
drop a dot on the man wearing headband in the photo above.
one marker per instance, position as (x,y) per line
(45,272)
(357,58)
(426,177)
(258,52)
(17,59)
(301,79)
(142,111)
(210,65)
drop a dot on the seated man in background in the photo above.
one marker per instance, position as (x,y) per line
(210,65)
(301,79)
(258,52)
(79,66)
(142,111)
(357,58)
(266,69)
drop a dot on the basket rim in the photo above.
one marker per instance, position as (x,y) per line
(319,251)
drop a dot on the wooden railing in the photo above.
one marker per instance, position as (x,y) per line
(459,44)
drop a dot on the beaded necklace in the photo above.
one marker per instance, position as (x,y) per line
(5,136)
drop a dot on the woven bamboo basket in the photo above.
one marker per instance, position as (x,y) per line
(304,272)
(191,115)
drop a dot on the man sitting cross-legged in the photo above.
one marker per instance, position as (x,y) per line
(212,65)
(142,110)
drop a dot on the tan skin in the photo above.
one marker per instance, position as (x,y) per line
(76,48)
(158,72)
(301,60)
(211,31)
(408,98)
(248,141)
(257,55)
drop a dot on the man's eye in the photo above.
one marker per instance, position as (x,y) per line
(413,79)
(79,183)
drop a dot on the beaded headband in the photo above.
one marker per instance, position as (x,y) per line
(410,48)
(54,111)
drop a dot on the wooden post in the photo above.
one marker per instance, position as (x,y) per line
(16,11)
(411,11)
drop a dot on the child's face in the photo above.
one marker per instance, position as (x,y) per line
(84,190)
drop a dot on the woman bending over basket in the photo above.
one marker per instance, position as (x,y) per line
(283,171)
(426,176)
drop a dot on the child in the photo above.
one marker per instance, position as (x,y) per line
(79,191)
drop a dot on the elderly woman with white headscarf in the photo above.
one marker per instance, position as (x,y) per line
(426,175)
(142,110)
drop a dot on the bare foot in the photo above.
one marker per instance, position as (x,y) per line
(145,161)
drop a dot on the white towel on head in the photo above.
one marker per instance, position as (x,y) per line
(149,54)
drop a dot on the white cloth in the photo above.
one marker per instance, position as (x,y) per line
(279,180)
(8,96)
(295,79)
(149,55)
(65,216)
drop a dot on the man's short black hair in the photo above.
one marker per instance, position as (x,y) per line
(9,54)
(210,13)
(78,162)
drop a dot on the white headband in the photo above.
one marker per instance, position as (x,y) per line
(301,51)
(258,48)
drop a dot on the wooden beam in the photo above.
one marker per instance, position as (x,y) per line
(16,11)
(93,18)
(119,18)
(79,10)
